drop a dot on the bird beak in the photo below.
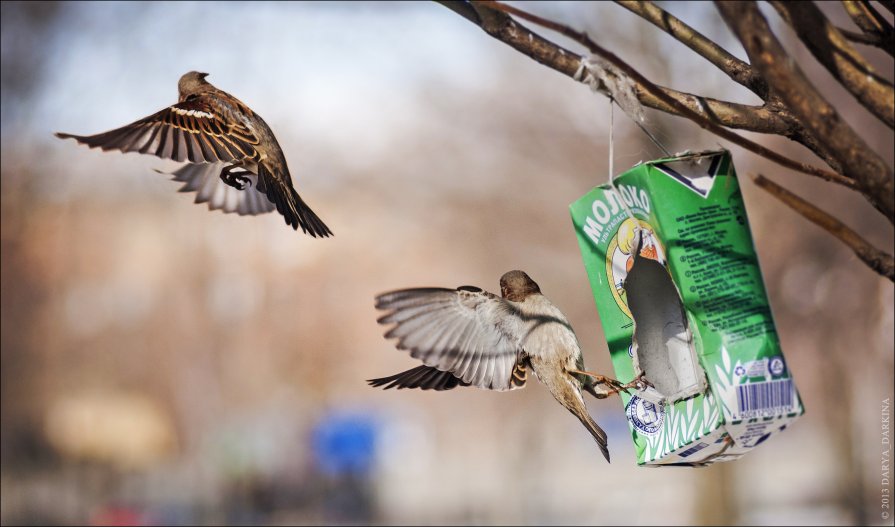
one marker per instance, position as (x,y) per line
(203,75)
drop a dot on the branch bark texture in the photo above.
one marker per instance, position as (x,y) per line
(858,160)
(792,106)
(832,50)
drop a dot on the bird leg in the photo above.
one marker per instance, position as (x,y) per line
(237,180)
(614,385)
(639,383)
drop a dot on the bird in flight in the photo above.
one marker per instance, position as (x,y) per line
(233,160)
(470,337)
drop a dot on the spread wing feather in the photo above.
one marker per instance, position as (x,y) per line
(190,130)
(204,180)
(472,334)
(422,377)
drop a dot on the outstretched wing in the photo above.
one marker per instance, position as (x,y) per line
(190,130)
(204,179)
(473,334)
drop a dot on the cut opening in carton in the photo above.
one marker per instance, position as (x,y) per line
(663,344)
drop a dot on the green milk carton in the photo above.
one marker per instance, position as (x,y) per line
(680,295)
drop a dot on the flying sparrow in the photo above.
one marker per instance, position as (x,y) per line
(470,337)
(223,141)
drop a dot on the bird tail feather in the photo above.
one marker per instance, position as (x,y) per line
(295,211)
(309,220)
(598,433)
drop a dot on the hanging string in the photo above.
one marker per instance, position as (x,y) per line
(653,138)
(618,194)
(605,78)
(611,146)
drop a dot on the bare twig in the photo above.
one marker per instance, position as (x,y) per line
(871,23)
(831,49)
(866,17)
(733,116)
(462,8)
(861,38)
(785,78)
(735,68)
(646,84)
(760,119)
(772,118)
(876,259)
(492,18)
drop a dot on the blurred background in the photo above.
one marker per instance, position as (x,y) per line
(163,364)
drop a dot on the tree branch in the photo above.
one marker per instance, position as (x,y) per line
(492,18)
(735,68)
(876,259)
(870,40)
(497,24)
(785,78)
(732,117)
(872,24)
(758,119)
(866,17)
(831,49)
(772,118)
(462,8)
(861,38)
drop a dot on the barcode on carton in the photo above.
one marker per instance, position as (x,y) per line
(764,398)
(693,450)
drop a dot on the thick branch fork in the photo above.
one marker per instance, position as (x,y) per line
(792,108)
(858,160)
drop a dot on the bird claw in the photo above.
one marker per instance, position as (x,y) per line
(617,386)
(640,383)
(242,182)
(239,181)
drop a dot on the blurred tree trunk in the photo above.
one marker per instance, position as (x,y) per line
(717,499)
(836,373)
